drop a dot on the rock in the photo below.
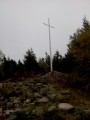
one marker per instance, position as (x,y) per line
(27,101)
(39,84)
(36,87)
(8,112)
(18,109)
(43,100)
(87,114)
(37,95)
(51,96)
(65,92)
(38,111)
(45,86)
(12,99)
(16,105)
(51,108)
(1,98)
(16,101)
(1,84)
(20,83)
(12,117)
(62,97)
(9,105)
(65,106)
(33,103)
(44,91)
(1,112)
(87,111)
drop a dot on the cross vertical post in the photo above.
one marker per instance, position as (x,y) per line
(50,46)
(49,26)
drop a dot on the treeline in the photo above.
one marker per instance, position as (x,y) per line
(76,60)
(30,66)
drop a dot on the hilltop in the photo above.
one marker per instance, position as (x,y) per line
(45,97)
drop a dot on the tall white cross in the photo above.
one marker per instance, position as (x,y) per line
(49,26)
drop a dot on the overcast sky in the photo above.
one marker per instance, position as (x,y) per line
(22,28)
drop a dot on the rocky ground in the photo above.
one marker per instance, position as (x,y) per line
(43,98)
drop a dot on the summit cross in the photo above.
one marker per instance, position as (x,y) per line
(49,26)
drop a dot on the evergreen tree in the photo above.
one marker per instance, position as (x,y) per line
(43,66)
(30,62)
(57,58)
(47,61)
(20,67)
(1,64)
(68,63)
(1,57)
(9,67)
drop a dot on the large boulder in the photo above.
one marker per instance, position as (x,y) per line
(65,106)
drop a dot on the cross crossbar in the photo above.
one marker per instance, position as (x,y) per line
(48,25)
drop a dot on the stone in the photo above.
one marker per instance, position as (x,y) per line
(1,85)
(51,96)
(17,109)
(65,106)
(38,111)
(33,103)
(51,108)
(37,95)
(12,99)
(39,84)
(1,112)
(27,101)
(87,112)
(43,100)
(65,92)
(8,112)
(20,83)
(9,105)
(62,97)
(16,105)
(44,91)
(16,101)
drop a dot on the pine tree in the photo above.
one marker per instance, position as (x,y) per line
(30,62)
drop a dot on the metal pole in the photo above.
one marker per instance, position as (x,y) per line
(51,67)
